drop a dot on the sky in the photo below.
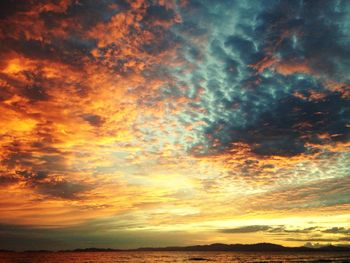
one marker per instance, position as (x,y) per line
(133,123)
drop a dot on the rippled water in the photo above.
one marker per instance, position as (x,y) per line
(145,257)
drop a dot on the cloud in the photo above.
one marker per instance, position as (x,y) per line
(181,113)
(19,237)
(62,93)
(245,98)
(337,230)
(245,229)
(61,189)
(268,229)
(319,239)
(7,180)
(48,185)
(305,196)
(94,120)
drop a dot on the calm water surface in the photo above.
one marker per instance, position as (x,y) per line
(139,257)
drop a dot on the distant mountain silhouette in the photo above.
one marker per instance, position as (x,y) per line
(92,249)
(260,247)
(38,251)
(263,247)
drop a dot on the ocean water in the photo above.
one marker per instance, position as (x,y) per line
(148,257)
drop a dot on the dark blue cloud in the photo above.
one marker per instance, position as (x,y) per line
(258,105)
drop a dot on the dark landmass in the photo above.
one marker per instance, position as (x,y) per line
(37,251)
(260,247)
(93,249)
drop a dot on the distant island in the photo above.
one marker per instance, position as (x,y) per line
(260,247)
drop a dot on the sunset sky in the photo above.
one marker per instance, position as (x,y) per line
(130,123)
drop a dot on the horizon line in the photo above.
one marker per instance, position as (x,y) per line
(244,247)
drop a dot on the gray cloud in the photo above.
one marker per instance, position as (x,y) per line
(319,239)
(6,180)
(337,230)
(245,229)
(61,189)
(93,119)
(266,228)
(53,238)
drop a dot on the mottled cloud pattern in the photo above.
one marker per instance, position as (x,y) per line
(273,77)
(211,120)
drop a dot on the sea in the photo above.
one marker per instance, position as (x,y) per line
(157,257)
